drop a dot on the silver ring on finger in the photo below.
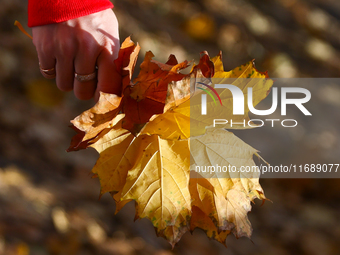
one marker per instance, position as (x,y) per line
(85,77)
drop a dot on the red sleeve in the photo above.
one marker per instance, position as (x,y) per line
(43,12)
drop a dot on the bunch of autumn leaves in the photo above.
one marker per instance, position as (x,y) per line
(147,151)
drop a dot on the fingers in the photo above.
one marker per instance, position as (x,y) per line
(109,80)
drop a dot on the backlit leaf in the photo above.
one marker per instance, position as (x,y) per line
(158,182)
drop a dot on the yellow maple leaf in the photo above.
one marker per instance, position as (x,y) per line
(223,195)
(151,171)
(159,183)
(115,159)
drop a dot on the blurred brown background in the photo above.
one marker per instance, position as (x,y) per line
(48,202)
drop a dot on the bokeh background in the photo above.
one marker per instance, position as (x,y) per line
(48,202)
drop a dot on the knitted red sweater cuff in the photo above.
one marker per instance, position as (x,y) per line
(42,12)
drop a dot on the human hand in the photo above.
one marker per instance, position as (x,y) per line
(79,46)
